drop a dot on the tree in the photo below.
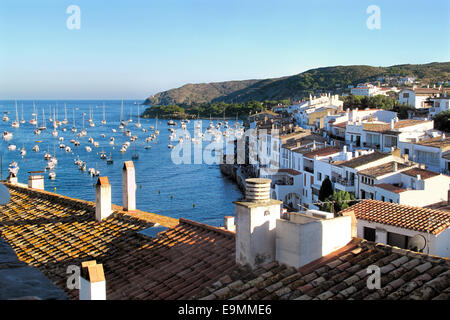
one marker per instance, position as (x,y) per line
(326,189)
(442,121)
(340,200)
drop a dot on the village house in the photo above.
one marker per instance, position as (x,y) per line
(403,226)
(417,97)
(432,152)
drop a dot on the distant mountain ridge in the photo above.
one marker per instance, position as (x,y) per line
(331,79)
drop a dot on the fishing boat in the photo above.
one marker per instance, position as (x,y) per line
(109,160)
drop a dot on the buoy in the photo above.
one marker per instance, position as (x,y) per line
(55,188)
(171,196)
(193,205)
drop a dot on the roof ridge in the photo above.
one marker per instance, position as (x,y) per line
(207,226)
(402,205)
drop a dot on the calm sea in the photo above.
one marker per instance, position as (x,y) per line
(196,191)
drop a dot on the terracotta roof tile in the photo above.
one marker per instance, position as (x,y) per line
(408,217)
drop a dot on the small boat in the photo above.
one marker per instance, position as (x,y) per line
(171,123)
(109,160)
(62,145)
(51,175)
(147,147)
(113,130)
(170,146)
(104,120)
(55,133)
(61,139)
(7,135)
(68,149)
(12,147)
(5,118)
(36,148)
(88,149)
(102,155)
(23,152)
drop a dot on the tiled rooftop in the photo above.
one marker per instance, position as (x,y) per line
(437,142)
(383,169)
(341,275)
(365,159)
(380,127)
(402,216)
(424,174)
(322,152)
(390,187)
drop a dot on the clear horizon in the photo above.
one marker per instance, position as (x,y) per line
(133,49)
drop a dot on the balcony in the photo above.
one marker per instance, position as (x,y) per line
(344,184)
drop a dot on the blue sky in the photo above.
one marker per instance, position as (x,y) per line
(132,49)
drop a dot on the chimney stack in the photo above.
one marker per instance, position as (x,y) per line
(256,219)
(36,182)
(394,167)
(92,281)
(128,186)
(102,199)
(229,223)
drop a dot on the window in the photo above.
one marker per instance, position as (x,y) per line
(319,176)
(369,234)
(406,151)
(406,95)
(382,198)
(398,240)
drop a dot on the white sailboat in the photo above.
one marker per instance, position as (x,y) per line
(21,120)
(138,124)
(74,129)
(16,124)
(65,121)
(33,121)
(91,118)
(122,121)
(43,127)
(104,120)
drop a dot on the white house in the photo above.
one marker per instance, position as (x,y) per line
(417,97)
(407,227)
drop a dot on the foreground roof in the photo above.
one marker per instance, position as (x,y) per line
(342,275)
(408,217)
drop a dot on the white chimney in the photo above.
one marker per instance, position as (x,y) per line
(36,182)
(256,219)
(392,124)
(418,177)
(394,167)
(229,223)
(92,281)
(102,199)
(128,186)
(12,179)
(303,238)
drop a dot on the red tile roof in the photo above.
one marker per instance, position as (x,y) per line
(407,217)
(424,174)
(390,187)
(322,152)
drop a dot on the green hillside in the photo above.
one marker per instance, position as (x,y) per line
(330,79)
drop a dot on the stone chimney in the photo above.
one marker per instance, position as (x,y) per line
(128,186)
(36,182)
(92,281)
(256,218)
(229,223)
(102,199)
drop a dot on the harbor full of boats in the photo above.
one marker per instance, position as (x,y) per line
(75,141)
